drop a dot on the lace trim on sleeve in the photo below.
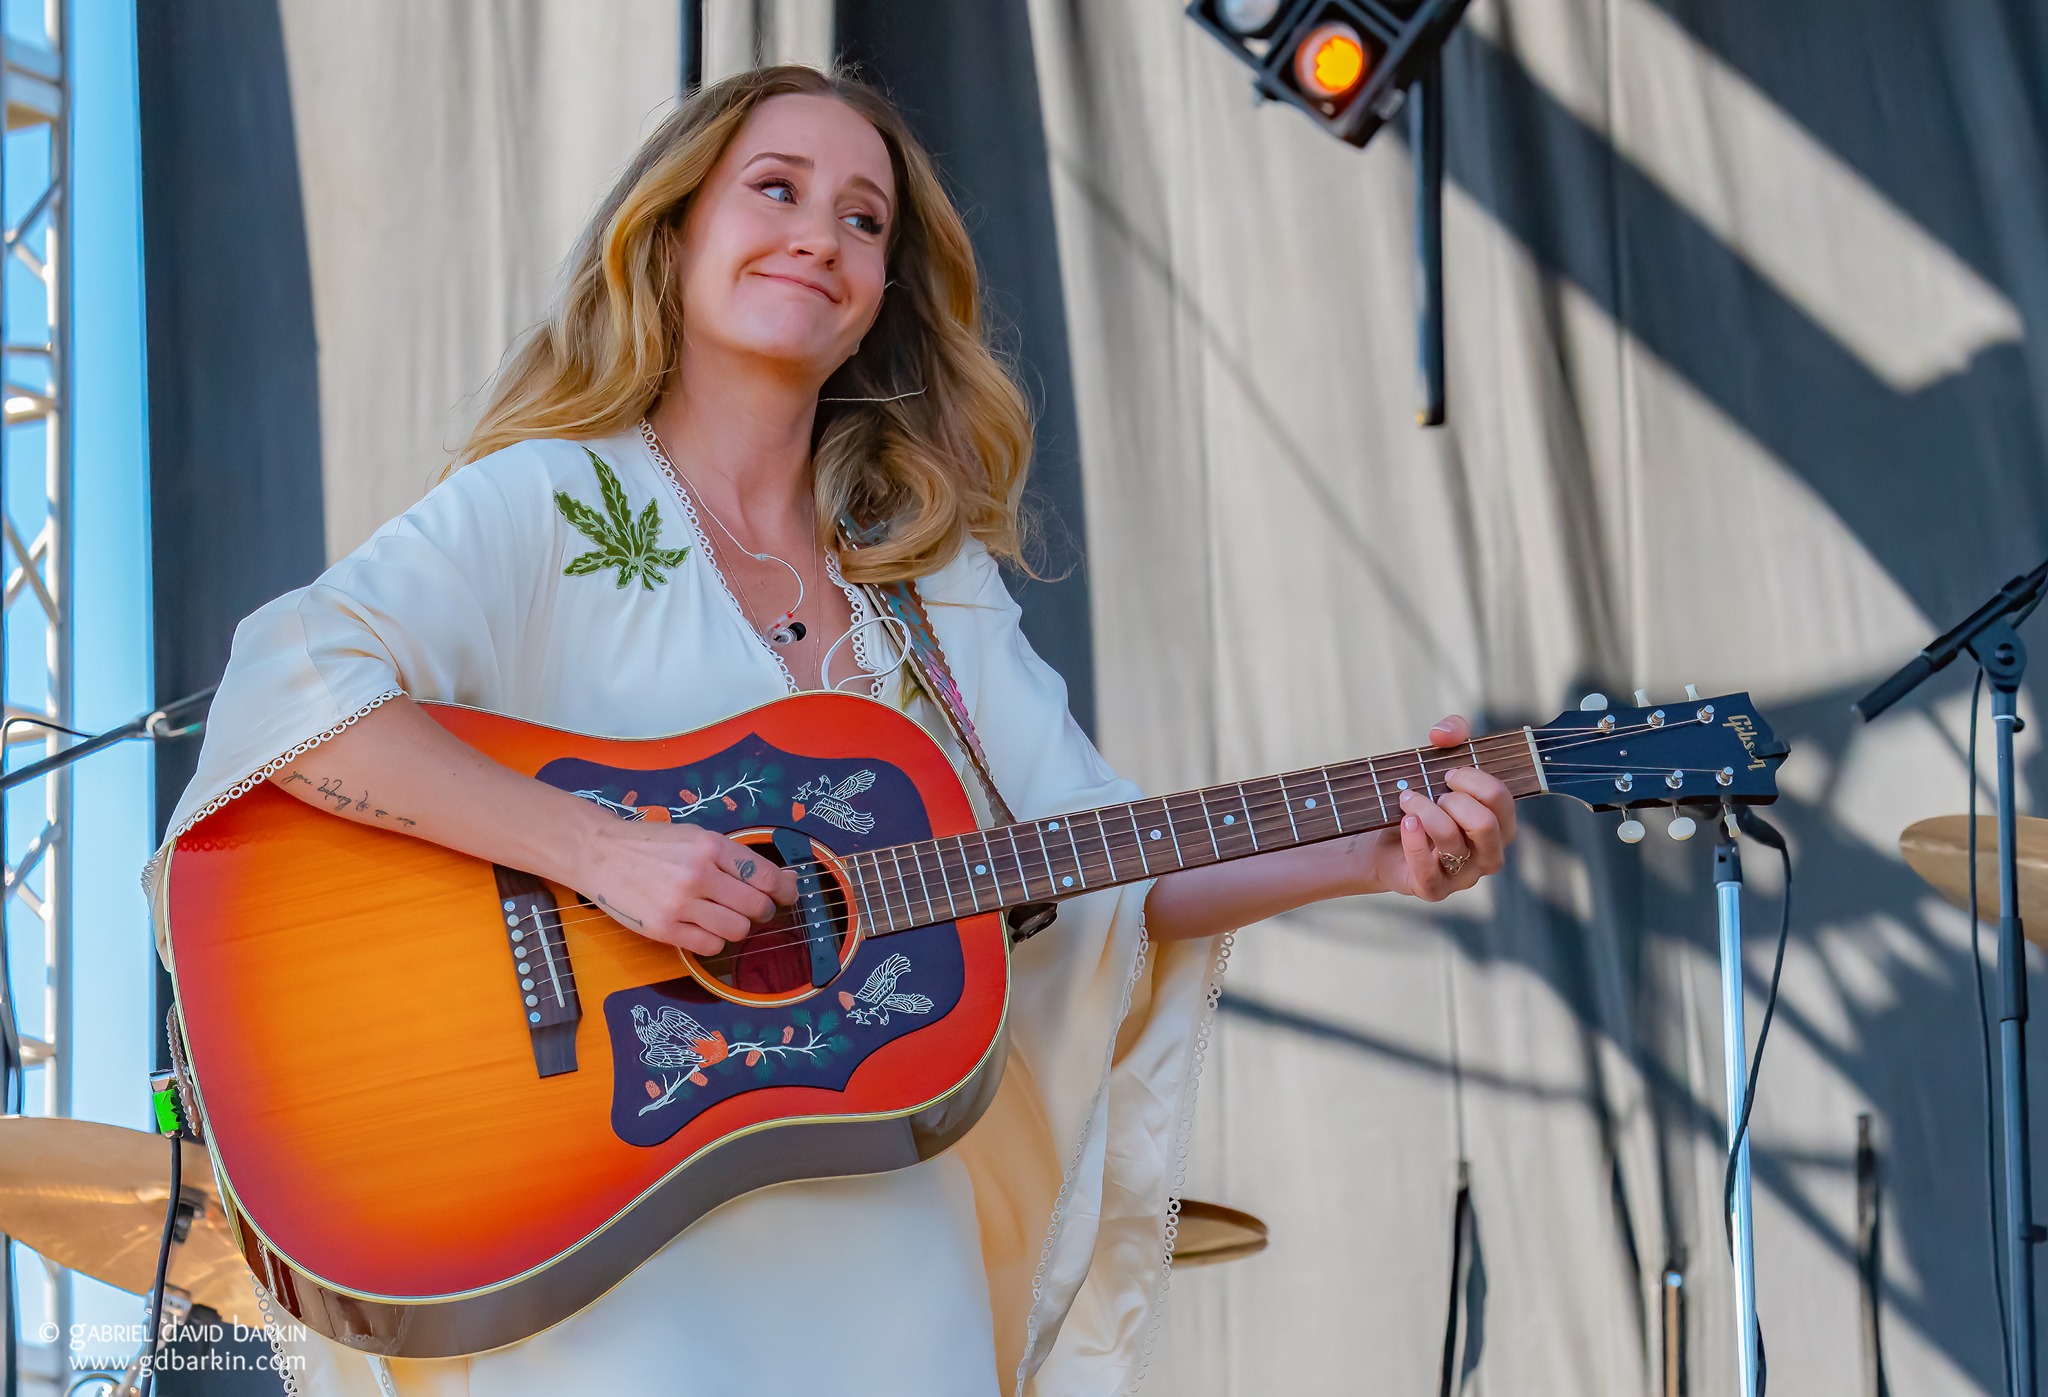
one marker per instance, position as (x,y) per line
(254,779)
(1182,1136)
(1034,1321)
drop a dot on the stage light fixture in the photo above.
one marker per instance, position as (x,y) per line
(1331,61)
(1301,50)
(1351,65)
(1248,16)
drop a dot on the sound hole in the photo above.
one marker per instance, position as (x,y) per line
(775,960)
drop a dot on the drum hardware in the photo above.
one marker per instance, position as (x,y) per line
(1938,850)
(1990,635)
(91,1198)
(1209,1233)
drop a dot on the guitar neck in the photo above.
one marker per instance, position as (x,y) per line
(936,880)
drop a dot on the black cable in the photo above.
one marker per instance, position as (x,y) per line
(1765,833)
(147,1381)
(41,723)
(1984,1042)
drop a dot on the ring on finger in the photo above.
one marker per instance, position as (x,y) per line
(1452,863)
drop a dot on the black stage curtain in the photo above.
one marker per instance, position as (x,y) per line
(963,73)
(234,407)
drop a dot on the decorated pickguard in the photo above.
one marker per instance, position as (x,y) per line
(678,1049)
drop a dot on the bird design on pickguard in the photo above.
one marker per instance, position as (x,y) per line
(833,804)
(676,1041)
(878,997)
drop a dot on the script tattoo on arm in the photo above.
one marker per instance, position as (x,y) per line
(330,789)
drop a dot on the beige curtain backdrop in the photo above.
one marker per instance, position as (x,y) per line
(740,34)
(1741,396)
(448,155)
(1746,303)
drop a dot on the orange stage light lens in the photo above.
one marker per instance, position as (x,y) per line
(1331,60)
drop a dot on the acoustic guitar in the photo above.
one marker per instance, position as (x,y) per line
(451,1104)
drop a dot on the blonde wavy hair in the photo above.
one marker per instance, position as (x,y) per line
(917,476)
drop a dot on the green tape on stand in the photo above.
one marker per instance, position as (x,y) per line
(163,1098)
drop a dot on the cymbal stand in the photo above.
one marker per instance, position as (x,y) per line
(1988,634)
(177,1308)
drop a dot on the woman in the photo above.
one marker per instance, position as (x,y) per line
(769,326)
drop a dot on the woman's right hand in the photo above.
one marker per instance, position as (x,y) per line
(679,884)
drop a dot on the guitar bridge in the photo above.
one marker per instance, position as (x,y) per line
(541,969)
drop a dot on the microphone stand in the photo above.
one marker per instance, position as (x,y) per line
(156,726)
(1988,633)
(152,725)
(1734,1052)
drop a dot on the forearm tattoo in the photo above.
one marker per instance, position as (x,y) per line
(331,792)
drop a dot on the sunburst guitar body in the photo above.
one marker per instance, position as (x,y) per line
(450,1104)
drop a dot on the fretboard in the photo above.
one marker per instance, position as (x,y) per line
(939,880)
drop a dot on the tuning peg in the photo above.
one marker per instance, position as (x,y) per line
(1692,695)
(1630,831)
(1642,698)
(1682,827)
(1592,703)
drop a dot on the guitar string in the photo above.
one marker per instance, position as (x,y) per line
(837,902)
(1355,784)
(1120,846)
(899,888)
(1115,847)
(1498,743)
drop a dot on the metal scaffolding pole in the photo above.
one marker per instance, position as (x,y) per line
(36,615)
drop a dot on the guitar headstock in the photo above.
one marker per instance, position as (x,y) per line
(1693,752)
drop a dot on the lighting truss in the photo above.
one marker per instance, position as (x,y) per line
(36,616)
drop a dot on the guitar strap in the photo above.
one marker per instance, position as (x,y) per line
(928,664)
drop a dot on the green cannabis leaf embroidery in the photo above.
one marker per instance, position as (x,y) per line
(623,542)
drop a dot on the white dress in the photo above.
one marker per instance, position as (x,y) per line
(1031,1258)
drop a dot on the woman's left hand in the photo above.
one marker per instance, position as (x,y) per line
(1451,842)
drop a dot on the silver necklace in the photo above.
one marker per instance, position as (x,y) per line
(785,629)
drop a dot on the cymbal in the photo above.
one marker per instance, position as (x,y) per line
(92,1197)
(1210,1232)
(1938,850)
